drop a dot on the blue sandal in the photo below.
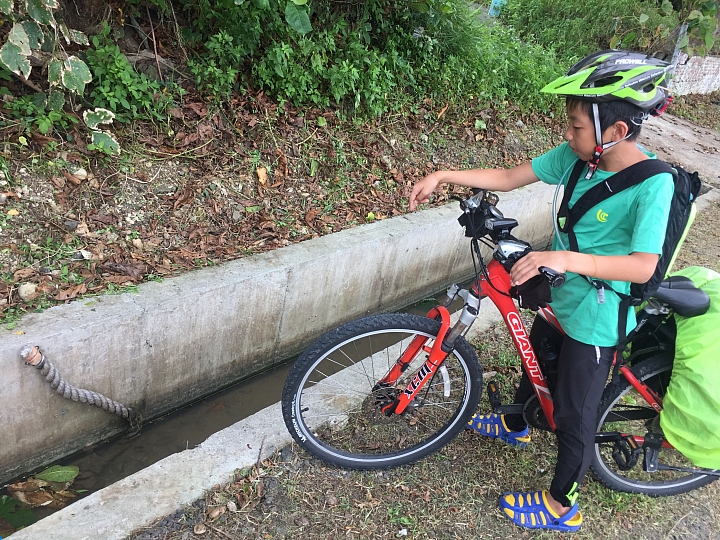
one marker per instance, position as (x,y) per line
(532,510)
(493,426)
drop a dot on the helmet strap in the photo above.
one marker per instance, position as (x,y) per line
(600,147)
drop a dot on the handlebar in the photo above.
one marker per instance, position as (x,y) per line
(481,218)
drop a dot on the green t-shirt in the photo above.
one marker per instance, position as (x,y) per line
(634,220)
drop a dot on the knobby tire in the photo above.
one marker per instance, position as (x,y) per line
(331,410)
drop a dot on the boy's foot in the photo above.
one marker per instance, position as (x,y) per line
(493,426)
(532,510)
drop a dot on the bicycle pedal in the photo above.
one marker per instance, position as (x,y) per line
(493,392)
(651,447)
(626,452)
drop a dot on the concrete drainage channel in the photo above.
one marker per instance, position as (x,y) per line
(179,340)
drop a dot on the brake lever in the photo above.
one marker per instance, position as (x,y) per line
(556,279)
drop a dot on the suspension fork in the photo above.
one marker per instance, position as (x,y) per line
(443,345)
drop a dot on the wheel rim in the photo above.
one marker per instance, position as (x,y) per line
(337,408)
(631,403)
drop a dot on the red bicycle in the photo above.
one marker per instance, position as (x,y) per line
(387,390)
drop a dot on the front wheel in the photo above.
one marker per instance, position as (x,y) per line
(331,402)
(624,410)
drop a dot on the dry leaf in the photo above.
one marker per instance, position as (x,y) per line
(24,273)
(57,182)
(442,111)
(186,197)
(72,292)
(310,216)
(200,528)
(262,175)
(72,178)
(133,270)
(13,212)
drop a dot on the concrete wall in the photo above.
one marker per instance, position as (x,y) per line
(696,75)
(188,336)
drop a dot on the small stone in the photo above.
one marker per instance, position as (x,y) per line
(231,506)
(424,138)
(236,215)
(200,528)
(81,174)
(27,291)
(520,124)
(71,225)
(137,243)
(286,454)
(3,198)
(86,255)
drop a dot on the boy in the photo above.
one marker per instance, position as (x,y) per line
(609,94)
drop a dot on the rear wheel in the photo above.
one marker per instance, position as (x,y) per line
(331,402)
(624,410)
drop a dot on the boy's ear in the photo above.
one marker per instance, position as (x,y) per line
(619,130)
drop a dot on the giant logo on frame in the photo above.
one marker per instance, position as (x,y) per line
(526,351)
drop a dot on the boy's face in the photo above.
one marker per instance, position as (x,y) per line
(580,133)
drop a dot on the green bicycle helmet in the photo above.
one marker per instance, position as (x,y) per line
(614,75)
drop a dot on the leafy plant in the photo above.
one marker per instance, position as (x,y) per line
(35,28)
(576,29)
(118,87)
(41,112)
(217,71)
(16,517)
(701,20)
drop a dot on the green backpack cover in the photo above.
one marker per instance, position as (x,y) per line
(690,418)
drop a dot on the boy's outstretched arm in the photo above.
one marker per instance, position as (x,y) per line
(491,179)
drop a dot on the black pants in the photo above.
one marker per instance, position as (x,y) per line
(582,372)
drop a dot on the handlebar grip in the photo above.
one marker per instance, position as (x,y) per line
(555,278)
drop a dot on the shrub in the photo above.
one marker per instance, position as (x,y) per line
(574,29)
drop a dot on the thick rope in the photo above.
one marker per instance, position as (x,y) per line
(33,357)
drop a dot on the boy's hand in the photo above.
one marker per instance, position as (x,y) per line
(422,190)
(527,267)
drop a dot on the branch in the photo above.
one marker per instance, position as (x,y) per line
(152,30)
(27,82)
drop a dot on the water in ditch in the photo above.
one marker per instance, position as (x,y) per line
(184,428)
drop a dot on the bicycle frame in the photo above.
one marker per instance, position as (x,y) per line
(496,286)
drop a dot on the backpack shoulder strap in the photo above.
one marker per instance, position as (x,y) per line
(564,209)
(620,181)
(631,176)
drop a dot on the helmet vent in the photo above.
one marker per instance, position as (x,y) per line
(607,81)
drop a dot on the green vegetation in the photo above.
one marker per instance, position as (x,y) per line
(575,29)
(118,87)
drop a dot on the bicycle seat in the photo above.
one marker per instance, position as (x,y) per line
(682,296)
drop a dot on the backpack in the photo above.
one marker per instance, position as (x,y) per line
(687,188)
